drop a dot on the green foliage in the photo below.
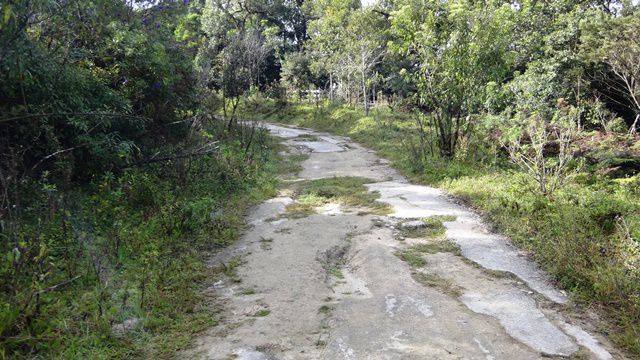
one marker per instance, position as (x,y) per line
(116,173)
(413,258)
(82,95)
(435,281)
(112,188)
(433,228)
(612,44)
(296,74)
(583,237)
(459,48)
(433,247)
(126,247)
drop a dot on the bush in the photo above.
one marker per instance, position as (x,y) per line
(617,125)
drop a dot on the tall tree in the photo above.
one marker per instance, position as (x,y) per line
(457,48)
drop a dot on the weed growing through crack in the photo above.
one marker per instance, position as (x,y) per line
(292,164)
(435,281)
(500,274)
(436,246)
(229,269)
(431,227)
(321,343)
(262,313)
(413,258)
(299,211)
(347,190)
(336,272)
(284,230)
(247,291)
(332,260)
(325,309)
(265,243)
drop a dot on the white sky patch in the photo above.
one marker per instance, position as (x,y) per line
(367,3)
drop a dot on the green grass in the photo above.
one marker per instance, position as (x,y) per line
(336,272)
(346,190)
(262,313)
(291,166)
(154,230)
(587,238)
(266,243)
(433,228)
(413,258)
(247,291)
(436,246)
(298,211)
(435,281)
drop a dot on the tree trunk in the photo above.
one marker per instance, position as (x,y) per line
(364,95)
(633,129)
(330,86)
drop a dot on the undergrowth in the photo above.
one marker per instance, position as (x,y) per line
(128,248)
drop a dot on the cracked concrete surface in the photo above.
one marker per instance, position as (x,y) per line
(288,305)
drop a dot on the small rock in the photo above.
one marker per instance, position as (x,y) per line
(414,225)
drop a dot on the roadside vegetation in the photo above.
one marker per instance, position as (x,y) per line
(116,182)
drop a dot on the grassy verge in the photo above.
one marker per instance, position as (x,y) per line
(587,238)
(135,247)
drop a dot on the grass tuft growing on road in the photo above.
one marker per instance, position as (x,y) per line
(347,190)
(411,257)
(431,227)
(438,282)
(436,246)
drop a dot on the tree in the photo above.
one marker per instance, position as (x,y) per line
(366,47)
(612,44)
(457,48)
(240,65)
(326,45)
(296,74)
(234,55)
